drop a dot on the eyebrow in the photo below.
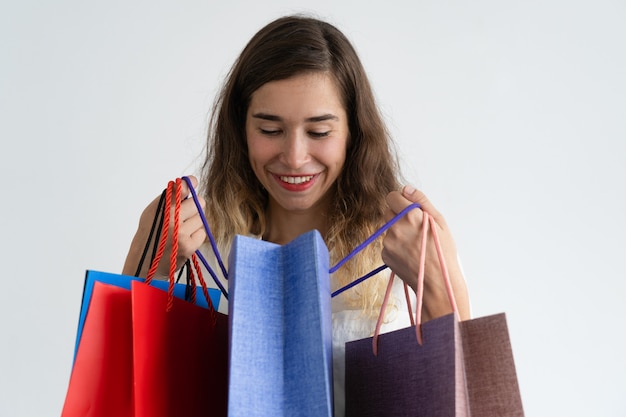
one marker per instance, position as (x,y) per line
(314,119)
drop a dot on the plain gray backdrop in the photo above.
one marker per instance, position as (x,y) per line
(510,115)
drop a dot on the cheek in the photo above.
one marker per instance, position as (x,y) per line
(255,150)
(252,143)
(260,153)
(339,153)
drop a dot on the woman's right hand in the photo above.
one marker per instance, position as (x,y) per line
(191,234)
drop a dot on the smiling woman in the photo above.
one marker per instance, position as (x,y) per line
(296,143)
(297,134)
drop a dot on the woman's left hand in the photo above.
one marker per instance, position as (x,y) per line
(401,249)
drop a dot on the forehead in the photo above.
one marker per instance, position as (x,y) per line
(302,95)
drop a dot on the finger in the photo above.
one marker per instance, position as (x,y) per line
(185,192)
(198,237)
(191,236)
(415,214)
(397,202)
(189,209)
(411,218)
(191,225)
(416,196)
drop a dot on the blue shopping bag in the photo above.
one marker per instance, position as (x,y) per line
(280,328)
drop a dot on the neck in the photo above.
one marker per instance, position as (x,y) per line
(284,226)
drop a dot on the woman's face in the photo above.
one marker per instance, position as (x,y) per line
(297,134)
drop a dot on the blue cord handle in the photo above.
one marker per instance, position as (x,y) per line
(362,246)
(333,269)
(207,229)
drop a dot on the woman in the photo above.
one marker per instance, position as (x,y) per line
(297,143)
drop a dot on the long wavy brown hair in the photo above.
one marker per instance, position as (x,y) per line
(236,201)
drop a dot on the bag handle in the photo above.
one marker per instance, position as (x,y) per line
(207,229)
(427,220)
(174,188)
(155,235)
(362,246)
(156,228)
(334,268)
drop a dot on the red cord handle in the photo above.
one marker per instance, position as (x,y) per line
(174,187)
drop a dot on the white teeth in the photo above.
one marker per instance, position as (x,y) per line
(296,180)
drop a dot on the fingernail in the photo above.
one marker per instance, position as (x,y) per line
(408,190)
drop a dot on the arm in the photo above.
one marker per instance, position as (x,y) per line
(401,248)
(191,235)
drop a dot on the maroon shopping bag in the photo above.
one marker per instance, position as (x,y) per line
(492,384)
(441,368)
(180,356)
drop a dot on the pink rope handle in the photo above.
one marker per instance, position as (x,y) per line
(419,301)
(427,221)
(408,303)
(420,286)
(381,316)
(444,267)
(444,272)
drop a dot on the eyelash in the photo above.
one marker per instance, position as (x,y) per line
(316,135)
(319,135)
(269,132)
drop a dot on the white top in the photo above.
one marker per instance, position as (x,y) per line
(351,324)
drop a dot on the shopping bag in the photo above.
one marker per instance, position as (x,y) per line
(280,361)
(101,382)
(143,351)
(492,384)
(406,379)
(128,339)
(180,356)
(441,368)
(124,282)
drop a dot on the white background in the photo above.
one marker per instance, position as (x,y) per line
(510,115)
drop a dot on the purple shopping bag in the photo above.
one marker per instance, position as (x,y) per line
(441,368)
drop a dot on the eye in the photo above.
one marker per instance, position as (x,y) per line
(319,135)
(270,132)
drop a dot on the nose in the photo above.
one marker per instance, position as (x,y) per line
(295,151)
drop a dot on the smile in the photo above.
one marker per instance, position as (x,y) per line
(296,180)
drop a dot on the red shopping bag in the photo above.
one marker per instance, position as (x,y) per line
(101,383)
(144,352)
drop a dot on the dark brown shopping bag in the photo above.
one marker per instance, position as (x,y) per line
(441,368)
